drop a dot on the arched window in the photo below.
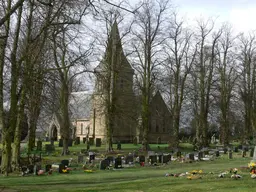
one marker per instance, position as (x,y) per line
(82,127)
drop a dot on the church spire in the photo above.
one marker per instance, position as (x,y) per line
(114,43)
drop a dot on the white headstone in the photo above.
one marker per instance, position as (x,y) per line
(254,154)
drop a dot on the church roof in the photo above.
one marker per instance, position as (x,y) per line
(80,105)
(114,42)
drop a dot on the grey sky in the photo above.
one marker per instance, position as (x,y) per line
(240,13)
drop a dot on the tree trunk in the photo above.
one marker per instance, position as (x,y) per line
(6,134)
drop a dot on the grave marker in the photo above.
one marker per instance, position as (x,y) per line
(80,158)
(60,142)
(118,163)
(152,159)
(98,142)
(39,145)
(104,164)
(65,162)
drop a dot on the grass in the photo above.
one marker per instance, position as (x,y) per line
(138,179)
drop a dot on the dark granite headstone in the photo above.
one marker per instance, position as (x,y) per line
(65,162)
(128,159)
(244,154)
(118,147)
(225,150)
(152,159)
(48,167)
(217,153)
(110,159)
(200,155)
(30,168)
(251,152)
(91,157)
(236,149)
(98,142)
(61,168)
(39,146)
(142,158)
(160,157)
(80,158)
(191,156)
(230,154)
(84,139)
(118,163)
(166,158)
(60,142)
(104,164)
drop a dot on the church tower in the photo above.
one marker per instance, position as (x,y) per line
(114,84)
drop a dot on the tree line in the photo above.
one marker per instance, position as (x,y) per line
(206,73)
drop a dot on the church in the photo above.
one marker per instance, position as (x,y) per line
(114,82)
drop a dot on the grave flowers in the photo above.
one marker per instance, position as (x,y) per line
(88,171)
(252,167)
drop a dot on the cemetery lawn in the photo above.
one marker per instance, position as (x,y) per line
(140,179)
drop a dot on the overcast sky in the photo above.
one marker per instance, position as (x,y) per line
(240,13)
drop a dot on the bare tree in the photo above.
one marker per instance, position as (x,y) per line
(148,29)
(181,55)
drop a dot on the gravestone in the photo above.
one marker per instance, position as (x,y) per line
(128,159)
(47,139)
(166,158)
(236,149)
(118,163)
(36,169)
(243,153)
(191,156)
(30,168)
(80,158)
(251,152)
(142,158)
(49,148)
(110,159)
(225,150)
(77,141)
(91,141)
(39,145)
(217,153)
(65,162)
(98,142)
(119,146)
(240,147)
(91,157)
(48,167)
(135,141)
(61,168)
(254,154)
(84,139)
(60,142)
(104,164)
(230,154)
(200,155)
(152,159)
(160,157)
(70,142)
